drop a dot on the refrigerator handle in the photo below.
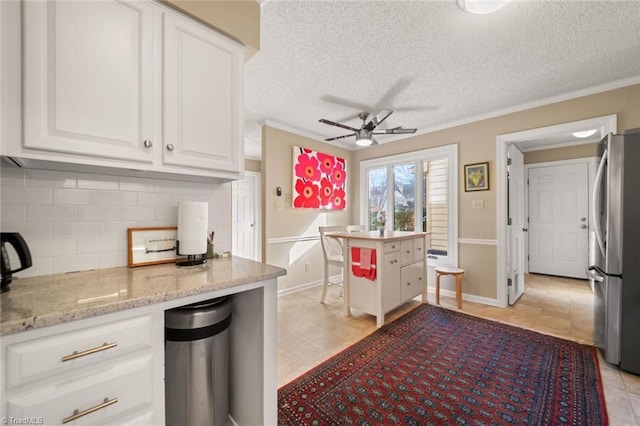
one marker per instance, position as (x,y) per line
(596,202)
(592,272)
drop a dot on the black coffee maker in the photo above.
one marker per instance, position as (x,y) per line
(24,255)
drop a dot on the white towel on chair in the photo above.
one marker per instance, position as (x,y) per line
(365,259)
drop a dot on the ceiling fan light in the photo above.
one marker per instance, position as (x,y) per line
(481,7)
(363,141)
(584,133)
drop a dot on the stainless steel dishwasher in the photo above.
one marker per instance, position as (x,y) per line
(197,363)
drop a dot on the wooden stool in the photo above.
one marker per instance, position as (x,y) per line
(456,272)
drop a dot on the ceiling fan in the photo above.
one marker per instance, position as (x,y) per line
(364,135)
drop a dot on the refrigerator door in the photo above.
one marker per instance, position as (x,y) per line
(614,204)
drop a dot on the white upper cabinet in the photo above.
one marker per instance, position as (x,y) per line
(87,78)
(202,86)
(131,85)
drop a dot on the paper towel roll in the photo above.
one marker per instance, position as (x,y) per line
(192,227)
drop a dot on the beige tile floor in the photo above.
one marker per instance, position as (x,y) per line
(309,332)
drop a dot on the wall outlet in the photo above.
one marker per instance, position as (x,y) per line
(307,267)
(477,204)
(279,206)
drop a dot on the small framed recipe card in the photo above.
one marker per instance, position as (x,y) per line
(151,246)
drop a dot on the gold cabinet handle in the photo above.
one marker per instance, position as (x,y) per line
(77,354)
(77,414)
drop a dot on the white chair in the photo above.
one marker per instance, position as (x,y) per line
(332,250)
(356,228)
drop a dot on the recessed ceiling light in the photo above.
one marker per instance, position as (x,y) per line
(481,7)
(584,133)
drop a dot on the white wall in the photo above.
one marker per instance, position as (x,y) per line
(78,221)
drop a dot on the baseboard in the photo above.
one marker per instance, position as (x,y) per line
(467,297)
(431,290)
(306,286)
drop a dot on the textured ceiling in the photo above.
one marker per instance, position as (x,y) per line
(429,61)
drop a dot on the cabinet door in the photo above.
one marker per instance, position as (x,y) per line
(88,78)
(406,251)
(390,283)
(202,104)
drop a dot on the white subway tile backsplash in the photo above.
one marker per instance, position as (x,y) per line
(118,198)
(30,231)
(102,245)
(137,184)
(180,187)
(53,248)
(41,266)
(97,213)
(13,213)
(11,175)
(76,229)
(21,195)
(78,221)
(116,229)
(81,197)
(114,259)
(137,213)
(51,213)
(78,262)
(155,199)
(169,214)
(93,181)
(51,178)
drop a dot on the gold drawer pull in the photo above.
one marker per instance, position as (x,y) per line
(77,354)
(77,414)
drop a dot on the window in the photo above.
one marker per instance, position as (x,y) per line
(423,181)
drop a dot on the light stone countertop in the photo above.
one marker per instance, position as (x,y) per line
(55,299)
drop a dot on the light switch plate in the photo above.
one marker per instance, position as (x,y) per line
(477,204)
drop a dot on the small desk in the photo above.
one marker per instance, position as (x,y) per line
(401,271)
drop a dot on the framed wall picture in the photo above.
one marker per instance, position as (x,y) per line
(476,177)
(319,180)
(151,246)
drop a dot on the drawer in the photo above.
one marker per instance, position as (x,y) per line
(412,280)
(406,252)
(418,249)
(41,358)
(127,381)
(391,247)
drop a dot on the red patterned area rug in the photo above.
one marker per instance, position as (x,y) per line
(434,366)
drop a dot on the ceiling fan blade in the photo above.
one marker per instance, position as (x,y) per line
(333,123)
(394,131)
(377,119)
(340,137)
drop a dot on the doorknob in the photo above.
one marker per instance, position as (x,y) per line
(583,226)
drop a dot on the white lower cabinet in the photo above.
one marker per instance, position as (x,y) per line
(401,275)
(105,370)
(95,396)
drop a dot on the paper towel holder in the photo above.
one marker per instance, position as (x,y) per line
(192,259)
(191,240)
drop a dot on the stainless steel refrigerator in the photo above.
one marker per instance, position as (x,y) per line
(615,257)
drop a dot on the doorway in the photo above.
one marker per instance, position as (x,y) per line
(245,214)
(530,140)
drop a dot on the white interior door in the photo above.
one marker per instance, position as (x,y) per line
(244,206)
(558,219)
(517,225)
